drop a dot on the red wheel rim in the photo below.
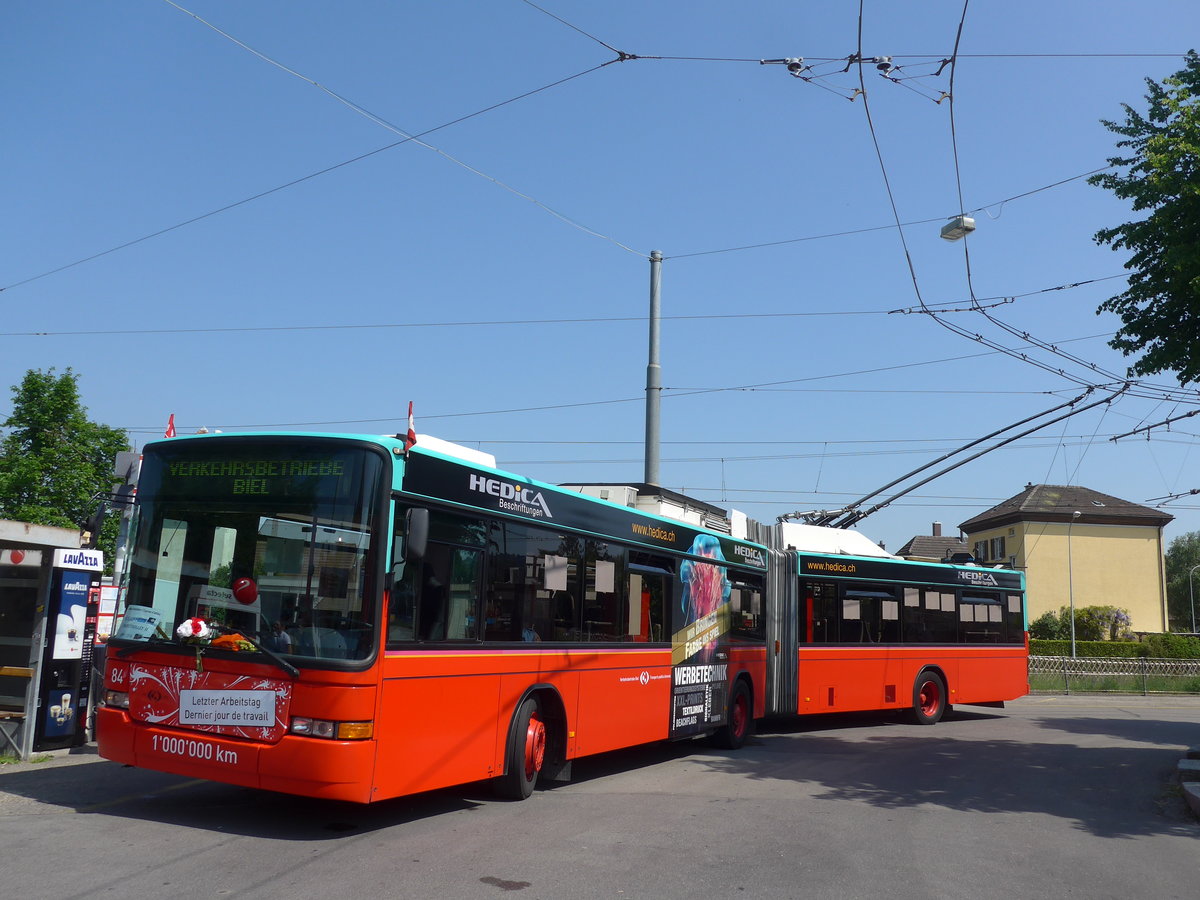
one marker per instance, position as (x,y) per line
(931,697)
(739,715)
(535,746)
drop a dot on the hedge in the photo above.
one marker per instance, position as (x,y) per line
(1093,649)
(1155,646)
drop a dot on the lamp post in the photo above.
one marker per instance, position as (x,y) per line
(1070,579)
(1192,596)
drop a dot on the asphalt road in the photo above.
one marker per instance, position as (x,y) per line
(1053,796)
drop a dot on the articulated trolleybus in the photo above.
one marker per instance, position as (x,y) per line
(337,617)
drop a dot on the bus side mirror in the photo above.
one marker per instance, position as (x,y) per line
(416,534)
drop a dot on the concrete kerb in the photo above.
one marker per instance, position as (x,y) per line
(1189,778)
(71,756)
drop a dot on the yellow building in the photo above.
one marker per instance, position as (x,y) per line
(1078,546)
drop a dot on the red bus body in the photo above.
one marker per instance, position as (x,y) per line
(532,627)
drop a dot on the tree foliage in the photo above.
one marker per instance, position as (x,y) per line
(1183,554)
(1160,308)
(1092,623)
(53,460)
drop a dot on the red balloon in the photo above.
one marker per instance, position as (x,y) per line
(245,591)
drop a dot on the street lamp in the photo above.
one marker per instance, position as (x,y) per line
(1192,596)
(1070,580)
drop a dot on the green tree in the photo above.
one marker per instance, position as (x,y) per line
(53,460)
(1092,623)
(1051,626)
(1183,554)
(1160,308)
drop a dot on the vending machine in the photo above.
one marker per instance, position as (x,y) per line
(65,650)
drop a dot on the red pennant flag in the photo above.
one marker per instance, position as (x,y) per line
(170,432)
(411,437)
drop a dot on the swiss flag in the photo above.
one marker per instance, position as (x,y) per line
(170,432)
(411,437)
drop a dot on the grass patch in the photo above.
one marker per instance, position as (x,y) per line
(1115,684)
(9,760)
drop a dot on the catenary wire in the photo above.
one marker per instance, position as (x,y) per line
(296,181)
(395,129)
(976,306)
(494,323)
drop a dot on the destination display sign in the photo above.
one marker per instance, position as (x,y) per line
(248,468)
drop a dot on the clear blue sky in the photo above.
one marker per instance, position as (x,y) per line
(332,303)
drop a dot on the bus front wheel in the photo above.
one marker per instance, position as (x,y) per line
(526,753)
(929,698)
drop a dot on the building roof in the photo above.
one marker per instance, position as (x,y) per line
(1059,503)
(936,547)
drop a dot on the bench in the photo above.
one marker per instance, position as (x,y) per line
(12,710)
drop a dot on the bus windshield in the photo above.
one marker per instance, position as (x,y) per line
(266,540)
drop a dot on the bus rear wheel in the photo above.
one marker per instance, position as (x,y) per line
(739,719)
(526,753)
(929,698)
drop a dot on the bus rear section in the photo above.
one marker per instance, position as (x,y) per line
(863,633)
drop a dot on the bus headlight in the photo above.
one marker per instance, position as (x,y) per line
(337,731)
(117,699)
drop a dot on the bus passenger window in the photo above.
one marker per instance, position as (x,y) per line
(980,619)
(1014,619)
(863,615)
(604,615)
(820,613)
(448,604)
(402,608)
(934,621)
(532,585)
(746,609)
(889,622)
(649,593)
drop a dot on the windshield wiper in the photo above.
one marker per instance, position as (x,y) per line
(139,645)
(272,655)
(158,642)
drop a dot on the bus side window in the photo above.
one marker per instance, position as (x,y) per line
(746,609)
(649,594)
(821,611)
(402,607)
(937,617)
(533,585)
(1014,617)
(449,594)
(981,619)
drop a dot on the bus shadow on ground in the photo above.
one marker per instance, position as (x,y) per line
(869,758)
(94,786)
(102,788)
(1107,791)
(1144,731)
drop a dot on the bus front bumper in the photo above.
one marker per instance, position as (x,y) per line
(310,767)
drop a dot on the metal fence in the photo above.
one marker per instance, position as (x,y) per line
(1106,675)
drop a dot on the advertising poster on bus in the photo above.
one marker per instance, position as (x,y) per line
(699,664)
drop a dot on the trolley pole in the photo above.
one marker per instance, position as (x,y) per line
(653,374)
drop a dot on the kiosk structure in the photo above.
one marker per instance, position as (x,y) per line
(48,610)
